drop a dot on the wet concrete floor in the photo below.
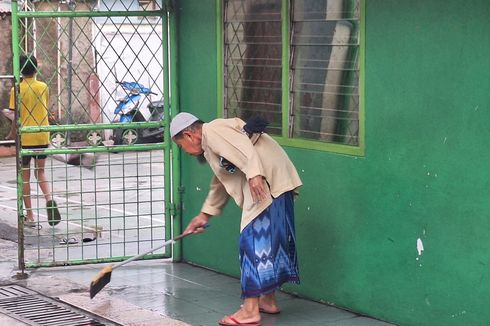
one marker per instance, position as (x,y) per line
(151,292)
(159,292)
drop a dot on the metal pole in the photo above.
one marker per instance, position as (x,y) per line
(166,135)
(71,6)
(16,73)
(174,97)
(219,67)
(285,25)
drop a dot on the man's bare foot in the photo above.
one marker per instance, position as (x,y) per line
(268,304)
(248,314)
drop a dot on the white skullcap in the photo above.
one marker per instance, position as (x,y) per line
(180,122)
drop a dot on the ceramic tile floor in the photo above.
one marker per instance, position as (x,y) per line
(198,296)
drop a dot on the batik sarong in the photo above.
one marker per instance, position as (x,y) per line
(268,249)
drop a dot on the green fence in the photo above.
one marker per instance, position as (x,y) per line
(108,170)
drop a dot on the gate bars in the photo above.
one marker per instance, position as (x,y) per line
(124,204)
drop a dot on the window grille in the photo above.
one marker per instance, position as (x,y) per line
(323,63)
(252,47)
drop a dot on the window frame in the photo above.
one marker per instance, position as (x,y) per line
(284,139)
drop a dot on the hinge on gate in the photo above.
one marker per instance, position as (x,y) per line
(173,209)
(170,6)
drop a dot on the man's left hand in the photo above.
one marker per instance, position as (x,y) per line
(257,188)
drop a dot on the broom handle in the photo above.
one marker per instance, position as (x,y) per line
(166,243)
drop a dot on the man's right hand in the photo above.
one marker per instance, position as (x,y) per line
(197,224)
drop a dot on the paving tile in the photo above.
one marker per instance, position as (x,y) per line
(313,312)
(155,280)
(155,322)
(209,318)
(284,319)
(357,321)
(6,270)
(84,275)
(119,310)
(6,320)
(195,274)
(192,292)
(224,305)
(176,308)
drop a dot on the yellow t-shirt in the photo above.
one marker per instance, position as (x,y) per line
(34,96)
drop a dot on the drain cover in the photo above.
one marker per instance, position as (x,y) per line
(33,308)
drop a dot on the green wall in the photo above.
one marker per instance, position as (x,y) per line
(425,175)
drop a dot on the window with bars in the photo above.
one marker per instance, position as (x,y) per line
(316,99)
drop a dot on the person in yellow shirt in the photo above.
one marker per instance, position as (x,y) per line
(250,167)
(33,96)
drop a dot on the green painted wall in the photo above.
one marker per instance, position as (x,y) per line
(426,173)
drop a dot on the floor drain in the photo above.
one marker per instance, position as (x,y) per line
(33,308)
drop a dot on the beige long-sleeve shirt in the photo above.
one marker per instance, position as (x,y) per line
(259,155)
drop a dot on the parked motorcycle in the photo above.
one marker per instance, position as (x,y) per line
(128,110)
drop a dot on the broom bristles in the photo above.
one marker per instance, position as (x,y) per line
(100,280)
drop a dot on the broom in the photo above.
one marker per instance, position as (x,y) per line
(104,276)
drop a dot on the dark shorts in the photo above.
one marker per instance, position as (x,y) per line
(26,160)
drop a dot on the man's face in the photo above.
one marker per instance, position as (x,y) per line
(190,142)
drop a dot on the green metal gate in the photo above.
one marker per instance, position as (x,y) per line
(110,182)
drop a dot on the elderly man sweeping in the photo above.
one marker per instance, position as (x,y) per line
(253,169)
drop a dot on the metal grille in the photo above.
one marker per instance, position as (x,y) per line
(81,58)
(34,309)
(115,209)
(325,70)
(106,169)
(323,66)
(252,50)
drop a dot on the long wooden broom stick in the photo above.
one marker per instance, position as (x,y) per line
(104,276)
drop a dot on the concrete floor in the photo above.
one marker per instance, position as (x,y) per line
(151,292)
(159,292)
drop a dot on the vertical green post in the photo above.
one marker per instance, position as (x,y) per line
(16,73)
(362,45)
(174,96)
(219,61)
(166,134)
(285,24)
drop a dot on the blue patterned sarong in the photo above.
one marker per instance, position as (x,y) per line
(268,249)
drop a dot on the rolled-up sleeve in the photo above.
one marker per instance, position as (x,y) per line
(216,199)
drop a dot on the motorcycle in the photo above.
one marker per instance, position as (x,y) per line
(128,110)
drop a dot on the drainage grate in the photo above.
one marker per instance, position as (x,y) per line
(34,309)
